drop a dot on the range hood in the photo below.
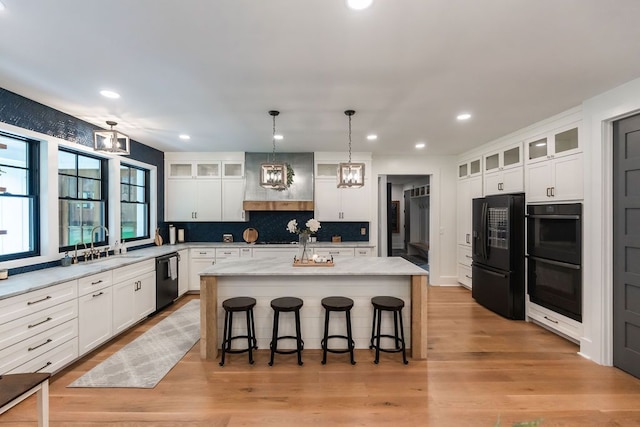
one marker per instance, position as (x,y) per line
(297,197)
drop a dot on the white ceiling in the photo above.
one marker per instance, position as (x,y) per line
(213,68)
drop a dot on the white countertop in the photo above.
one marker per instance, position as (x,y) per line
(31,281)
(357,266)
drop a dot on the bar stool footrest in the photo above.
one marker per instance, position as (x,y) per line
(290,337)
(344,337)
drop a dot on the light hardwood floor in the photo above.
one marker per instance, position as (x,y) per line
(481,367)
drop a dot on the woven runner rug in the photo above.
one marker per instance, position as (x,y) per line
(145,361)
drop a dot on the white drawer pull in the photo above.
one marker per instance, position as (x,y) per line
(40,323)
(40,345)
(40,300)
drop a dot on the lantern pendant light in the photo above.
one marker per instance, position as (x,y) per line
(110,141)
(350,175)
(273,175)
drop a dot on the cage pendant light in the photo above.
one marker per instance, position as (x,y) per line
(110,141)
(350,175)
(273,175)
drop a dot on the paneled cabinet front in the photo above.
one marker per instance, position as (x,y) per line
(194,200)
(341,204)
(95,310)
(134,294)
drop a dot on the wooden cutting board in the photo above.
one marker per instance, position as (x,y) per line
(250,235)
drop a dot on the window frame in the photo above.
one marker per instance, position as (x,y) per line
(33,190)
(147,197)
(104,192)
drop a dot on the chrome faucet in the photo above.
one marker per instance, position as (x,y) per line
(106,233)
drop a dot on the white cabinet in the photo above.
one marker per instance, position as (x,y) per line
(199,259)
(204,190)
(263,252)
(363,252)
(35,325)
(464,265)
(134,294)
(334,252)
(232,199)
(503,172)
(341,204)
(470,168)
(193,200)
(468,189)
(554,167)
(95,310)
(183,272)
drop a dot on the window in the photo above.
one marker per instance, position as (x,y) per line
(134,203)
(82,199)
(19,201)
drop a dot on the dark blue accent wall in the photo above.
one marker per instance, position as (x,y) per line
(22,112)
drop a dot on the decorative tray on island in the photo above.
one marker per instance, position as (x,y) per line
(312,263)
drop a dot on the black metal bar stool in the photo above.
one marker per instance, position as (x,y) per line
(235,305)
(394,305)
(286,305)
(337,304)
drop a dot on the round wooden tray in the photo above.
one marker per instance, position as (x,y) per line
(250,235)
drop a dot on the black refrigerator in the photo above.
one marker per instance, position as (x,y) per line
(498,254)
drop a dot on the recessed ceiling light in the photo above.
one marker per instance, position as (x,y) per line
(420,145)
(110,94)
(278,137)
(464,116)
(184,136)
(359,4)
(372,137)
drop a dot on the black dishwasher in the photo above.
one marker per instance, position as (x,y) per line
(166,279)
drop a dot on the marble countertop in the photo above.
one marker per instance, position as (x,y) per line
(357,266)
(31,281)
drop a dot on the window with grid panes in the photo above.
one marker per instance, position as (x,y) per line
(134,203)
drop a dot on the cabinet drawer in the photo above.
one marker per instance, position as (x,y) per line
(363,251)
(325,252)
(35,323)
(228,253)
(51,361)
(464,255)
(94,282)
(203,253)
(24,351)
(245,252)
(123,274)
(561,325)
(465,275)
(31,302)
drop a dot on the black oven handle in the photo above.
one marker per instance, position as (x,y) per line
(558,263)
(554,216)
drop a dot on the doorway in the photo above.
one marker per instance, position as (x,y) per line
(408,217)
(626,245)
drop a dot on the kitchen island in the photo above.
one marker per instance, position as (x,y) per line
(358,278)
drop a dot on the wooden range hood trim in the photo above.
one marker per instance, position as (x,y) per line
(280,205)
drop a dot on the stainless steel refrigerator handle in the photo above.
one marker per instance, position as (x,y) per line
(494,273)
(554,216)
(558,263)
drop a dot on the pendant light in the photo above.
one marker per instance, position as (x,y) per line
(110,141)
(350,175)
(273,175)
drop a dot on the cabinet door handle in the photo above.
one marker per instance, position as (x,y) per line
(548,191)
(40,345)
(40,369)
(97,295)
(40,300)
(468,236)
(95,283)
(468,256)
(40,323)
(468,277)
(553,191)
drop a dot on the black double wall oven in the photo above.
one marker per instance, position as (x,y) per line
(554,260)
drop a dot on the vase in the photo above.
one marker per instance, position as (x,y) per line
(304,242)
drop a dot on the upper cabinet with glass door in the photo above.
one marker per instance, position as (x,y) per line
(562,142)
(188,170)
(506,158)
(470,169)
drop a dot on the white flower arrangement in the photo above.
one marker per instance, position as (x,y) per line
(313,225)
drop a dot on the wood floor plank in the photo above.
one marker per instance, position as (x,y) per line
(480,367)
